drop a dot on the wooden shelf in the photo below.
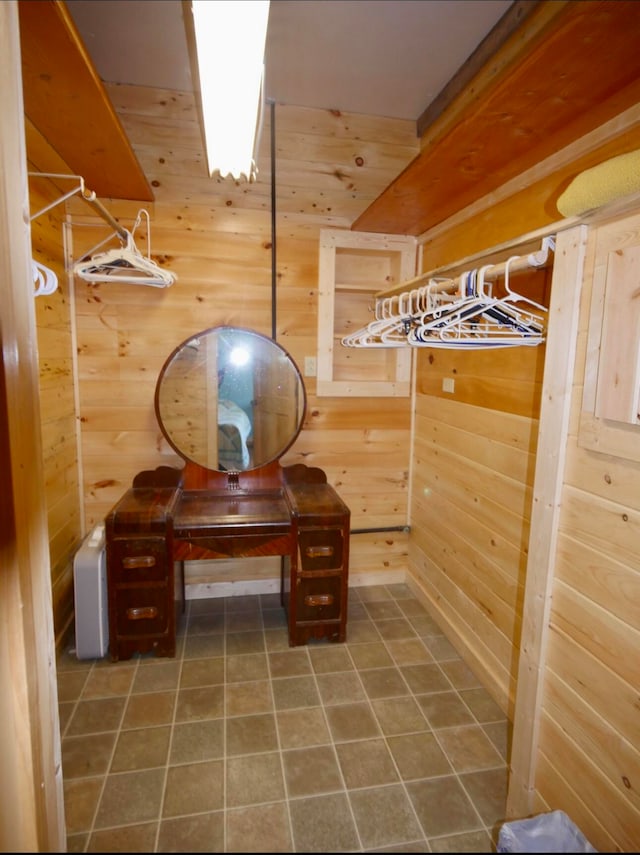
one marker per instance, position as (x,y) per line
(352,268)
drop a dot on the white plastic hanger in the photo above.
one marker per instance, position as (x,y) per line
(477,320)
(436,315)
(45,280)
(125,264)
(394,317)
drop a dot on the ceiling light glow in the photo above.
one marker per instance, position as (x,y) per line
(230,43)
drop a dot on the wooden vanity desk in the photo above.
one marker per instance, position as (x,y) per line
(292,512)
(172,515)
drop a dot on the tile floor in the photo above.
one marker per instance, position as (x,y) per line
(242,744)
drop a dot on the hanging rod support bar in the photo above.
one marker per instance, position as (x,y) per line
(88,195)
(519,264)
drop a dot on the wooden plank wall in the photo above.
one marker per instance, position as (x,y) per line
(216,237)
(589,752)
(473,463)
(57,397)
(31,786)
(474,452)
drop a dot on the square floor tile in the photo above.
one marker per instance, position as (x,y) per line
(323,824)
(241,743)
(366,764)
(131,797)
(384,817)
(468,748)
(290,692)
(194,788)
(199,833)
(300,728)
(254,779)
(418,755)
(352,721)
(311,771)
(442,806)
(251,734)
(254,829)
(384,683)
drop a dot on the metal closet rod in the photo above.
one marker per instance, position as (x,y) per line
(376,530)
(437,284)
(88,195)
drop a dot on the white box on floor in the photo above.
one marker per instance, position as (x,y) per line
(90,596)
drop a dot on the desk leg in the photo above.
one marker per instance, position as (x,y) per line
(183,587)
(282,603)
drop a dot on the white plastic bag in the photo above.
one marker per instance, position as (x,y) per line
(547,832)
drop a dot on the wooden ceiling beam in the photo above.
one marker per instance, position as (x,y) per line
(65,100)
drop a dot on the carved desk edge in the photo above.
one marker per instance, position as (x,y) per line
(192,476)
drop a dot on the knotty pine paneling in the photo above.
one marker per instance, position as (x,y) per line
(216,236)
(598,631)
(590,700)
(617,829)
(486,555)
(458,616)
(57,403)
(594,684)
(587,757)
(607,752)
(600,577)
(482,582)
(473,463)
(494,501)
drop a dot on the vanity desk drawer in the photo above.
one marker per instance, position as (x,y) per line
(139,560)
(315,578)
(319,599)
(320,549)
(143,607)
(142,611)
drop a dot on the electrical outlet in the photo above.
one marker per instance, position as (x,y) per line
(309,366)
(448,384)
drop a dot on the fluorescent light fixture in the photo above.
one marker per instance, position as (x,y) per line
(230,40)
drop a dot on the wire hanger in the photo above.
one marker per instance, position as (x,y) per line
(125,264)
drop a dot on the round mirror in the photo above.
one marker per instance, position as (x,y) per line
(230,399)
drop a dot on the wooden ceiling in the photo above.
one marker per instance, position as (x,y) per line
(568,67)
(70,121)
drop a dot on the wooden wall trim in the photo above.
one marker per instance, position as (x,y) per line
(31,802)
(552,438)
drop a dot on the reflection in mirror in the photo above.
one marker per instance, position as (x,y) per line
(230,399)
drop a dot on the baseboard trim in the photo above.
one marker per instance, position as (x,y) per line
(204,590)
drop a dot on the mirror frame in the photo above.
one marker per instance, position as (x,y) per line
(298,381)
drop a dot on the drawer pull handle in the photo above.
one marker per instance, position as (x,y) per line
(318,600)
(319,551)
(142,613)
(138,561)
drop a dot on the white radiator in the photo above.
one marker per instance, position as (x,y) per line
(90,596)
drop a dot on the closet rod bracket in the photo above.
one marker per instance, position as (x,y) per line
(88,195)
